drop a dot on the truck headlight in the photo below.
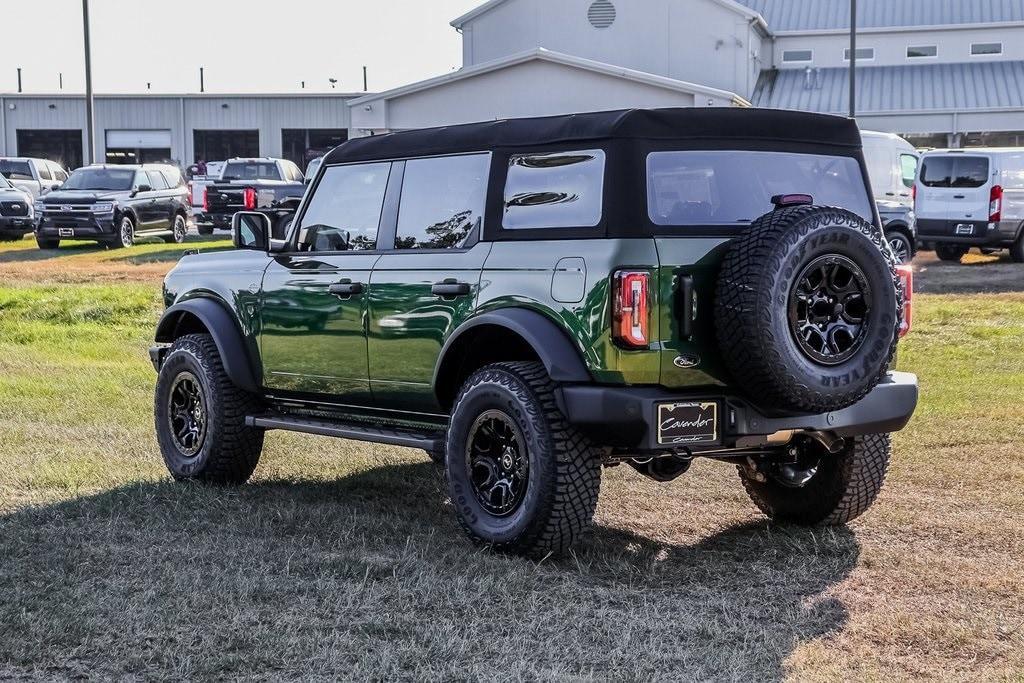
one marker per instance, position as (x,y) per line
(103,207)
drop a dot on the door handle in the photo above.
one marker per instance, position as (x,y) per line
(345,289)
(959,196)
(890,194)
(450,288)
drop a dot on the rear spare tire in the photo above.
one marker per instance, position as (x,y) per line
(806,309)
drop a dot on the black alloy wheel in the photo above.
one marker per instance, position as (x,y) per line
(900,246)
(829,309)
(498,463)
(187,416)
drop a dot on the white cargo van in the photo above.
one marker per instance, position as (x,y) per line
(971,198)
(892,166)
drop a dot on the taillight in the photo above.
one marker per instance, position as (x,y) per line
(206,199)
(995,204)
(906,274)
(249,199)
(631,308)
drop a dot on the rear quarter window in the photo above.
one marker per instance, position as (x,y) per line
(722,188)
(554,190)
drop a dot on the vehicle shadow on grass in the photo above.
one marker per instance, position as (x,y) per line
(996,274)
(368,576)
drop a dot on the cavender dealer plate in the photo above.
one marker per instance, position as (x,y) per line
(688,423)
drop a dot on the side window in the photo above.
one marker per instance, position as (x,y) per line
(442,201)
(44,171)
(908,167)
(1013,172)
(59,174)
(344,211)
(295,173)
(173,178)
(554,190)
(156,180)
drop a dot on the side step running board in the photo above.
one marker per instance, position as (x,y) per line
(393,436)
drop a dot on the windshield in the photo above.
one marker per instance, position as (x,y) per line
(100,179)
(15,170)
(250,170)
(736,187)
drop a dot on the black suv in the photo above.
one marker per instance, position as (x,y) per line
(531,300)
(114,204)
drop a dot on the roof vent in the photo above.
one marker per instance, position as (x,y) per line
(601,14)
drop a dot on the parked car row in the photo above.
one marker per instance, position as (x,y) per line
(114,204)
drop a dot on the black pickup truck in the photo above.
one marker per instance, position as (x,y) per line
(270,186)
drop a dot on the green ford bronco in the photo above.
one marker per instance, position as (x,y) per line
(531,300)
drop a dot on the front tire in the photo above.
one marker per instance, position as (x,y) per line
(820,488)
(521,478)
(200,414)
(125,236)
(902,247)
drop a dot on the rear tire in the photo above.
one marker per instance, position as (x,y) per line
(179,229)
(951,252)
(522,480)
(204,229)
(44,243)
(200,414)
(902,247)
(1017,248)
(843,487)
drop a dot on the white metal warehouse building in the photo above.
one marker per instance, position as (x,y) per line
(939,72)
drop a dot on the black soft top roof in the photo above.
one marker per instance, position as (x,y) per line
(711,123)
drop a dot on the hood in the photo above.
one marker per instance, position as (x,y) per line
(83,196)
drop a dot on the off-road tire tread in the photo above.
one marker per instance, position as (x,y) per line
(569,507)
(853,489)
(745,340)
(235,457)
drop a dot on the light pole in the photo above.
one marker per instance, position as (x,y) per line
(90,151)
(853,58)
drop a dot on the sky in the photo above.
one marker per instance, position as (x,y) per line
(245,45)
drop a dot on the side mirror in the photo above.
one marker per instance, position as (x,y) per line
(144,188)
(250,230)
(55,187)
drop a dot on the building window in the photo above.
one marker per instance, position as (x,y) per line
(797,56)
(220,145)
(921,51)
(62,146)
(864,54)
(302,145)
(986,49)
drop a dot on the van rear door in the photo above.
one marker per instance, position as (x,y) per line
(953,197)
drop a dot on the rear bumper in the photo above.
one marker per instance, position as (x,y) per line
(982,234)
(626,417)
(217,220)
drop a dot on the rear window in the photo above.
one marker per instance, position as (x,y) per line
(736,187)
(251,170)
(15,170)
(954,171)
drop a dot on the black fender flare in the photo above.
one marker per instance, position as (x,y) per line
(214,316)
(125,210)
(556,351)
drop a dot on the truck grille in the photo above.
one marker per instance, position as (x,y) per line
(14,208)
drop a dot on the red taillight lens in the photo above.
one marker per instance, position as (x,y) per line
(995,204)
(249,198)
(906,274)
(632,310)
(206,199)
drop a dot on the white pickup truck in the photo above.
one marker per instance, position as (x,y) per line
(34,176)
(198,184)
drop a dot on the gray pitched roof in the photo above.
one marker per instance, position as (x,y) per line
(810,15)
(918,87)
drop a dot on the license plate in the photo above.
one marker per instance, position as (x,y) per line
(65,232)
(688,423)
(964,229)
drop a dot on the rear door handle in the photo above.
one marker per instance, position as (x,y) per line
(890,194)
(959,196)
(450,288)
(345,289)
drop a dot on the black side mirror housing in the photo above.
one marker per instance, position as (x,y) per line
(250,230)
(144,188)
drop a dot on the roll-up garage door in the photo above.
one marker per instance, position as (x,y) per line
(139,139)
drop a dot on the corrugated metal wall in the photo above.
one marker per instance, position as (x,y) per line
(179,114)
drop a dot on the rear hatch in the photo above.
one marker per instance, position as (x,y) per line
(953,195)
(698,201)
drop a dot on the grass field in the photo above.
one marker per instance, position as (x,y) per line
(343,560)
